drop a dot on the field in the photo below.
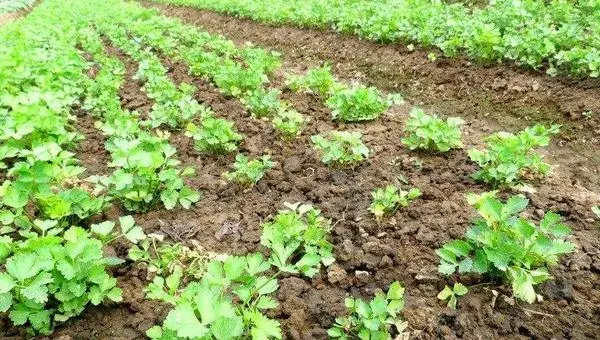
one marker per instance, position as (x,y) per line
(153,154)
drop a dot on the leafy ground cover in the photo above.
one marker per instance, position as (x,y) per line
(8,6)
(558,35)
(185,130)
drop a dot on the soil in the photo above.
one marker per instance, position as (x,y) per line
(8,17)
(369,256)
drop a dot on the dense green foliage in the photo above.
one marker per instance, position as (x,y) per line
(375,320)
(297,238)
(502,244)
(54,261)
(357,103)
(348,103)
(248,171)
(215,135)
(49,279)
(8,6)
(147,173)
(532,33)
(429,132)
(343,148)
(289,123)
(227,303)
(508,158)
(387,200)
(51,273)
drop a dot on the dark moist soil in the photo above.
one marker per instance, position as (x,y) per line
(370,256)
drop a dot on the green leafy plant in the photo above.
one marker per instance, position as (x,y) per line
(289,123)
(386,201)
(452,294)
(147,173)
(236,80)
(163,259)
(214,135)
(128,229)
(297,238)
(432,133)
(341,147)
(317,80)
(176,106)
(376,319)
(249,171)
(70,206)
(506,246)
(263,103)
(47,279)
(358,103)
(228,302)
(33,195)
(488,33)
(348,103)
(509,157)
(233,293)
(15,5)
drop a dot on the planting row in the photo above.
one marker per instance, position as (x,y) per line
(9,6)
(560,36)
(52,259)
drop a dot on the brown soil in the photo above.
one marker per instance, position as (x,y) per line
(8,17)
(370,256)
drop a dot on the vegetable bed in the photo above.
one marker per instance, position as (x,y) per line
(239,149)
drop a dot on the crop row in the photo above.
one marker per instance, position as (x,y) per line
(9,6)
(52,267)
(51,254)
(560,36)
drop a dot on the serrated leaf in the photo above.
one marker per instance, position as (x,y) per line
(5,302)
(514,205)
(227,328)
(126,222)
(184,322)
(460,289)
(395,291)
(266,302)
(480,262)
(66,269)
(6,283)
(465,265)
(446,268)
(154,332)
(267,286)
(103,229)
(22,266)
(491,209)
(264,328)
(499,257)
(37,289)
(458,247)
(522,284)
(445,293)
(234,267)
